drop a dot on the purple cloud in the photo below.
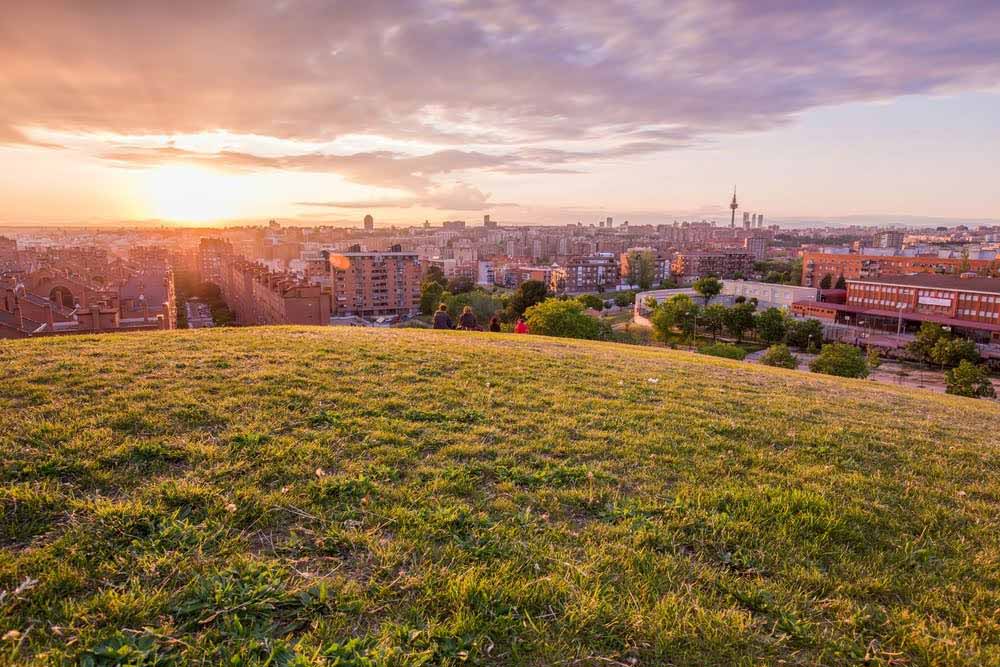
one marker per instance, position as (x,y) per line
(520,80)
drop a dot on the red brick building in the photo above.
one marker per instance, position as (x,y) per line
(258,296)
(53,301)
(816,265)
(970,305)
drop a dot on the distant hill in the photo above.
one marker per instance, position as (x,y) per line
(335,496)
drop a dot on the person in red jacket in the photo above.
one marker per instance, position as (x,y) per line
(521,326)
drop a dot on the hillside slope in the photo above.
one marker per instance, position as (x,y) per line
(305,495)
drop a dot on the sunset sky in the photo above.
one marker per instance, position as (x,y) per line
(543,112)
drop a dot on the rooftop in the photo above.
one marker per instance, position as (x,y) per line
(936,281)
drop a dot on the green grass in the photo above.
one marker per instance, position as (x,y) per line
(300,496)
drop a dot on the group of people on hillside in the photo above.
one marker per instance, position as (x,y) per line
(467,321)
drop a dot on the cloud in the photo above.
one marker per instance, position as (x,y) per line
(514,87)
(458,197)
(381,168)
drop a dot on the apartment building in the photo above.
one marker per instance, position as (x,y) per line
(257,295)
(599,272)
(375,284)
(689,266)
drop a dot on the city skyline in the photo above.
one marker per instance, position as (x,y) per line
(319,114)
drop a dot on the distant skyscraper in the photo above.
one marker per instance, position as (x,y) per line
(369,223)
(610,223)
(746,220)
(487,223)
(732,207)
(760,221)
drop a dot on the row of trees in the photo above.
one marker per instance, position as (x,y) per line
(965,376)
(780,271)
(681,314)
(933,344)
(827,282)
(546,315)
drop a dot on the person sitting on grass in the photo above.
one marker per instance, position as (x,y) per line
(495,324)
(467,320)
(442,320)
(521,326)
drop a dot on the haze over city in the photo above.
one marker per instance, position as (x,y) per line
(539,113)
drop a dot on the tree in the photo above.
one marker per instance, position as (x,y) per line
(966,265)
(708,287)
(775,277)
(968,379)
(739,320)
(591,301)
(435,275)
(952,351)
(840,359)
(565,319)
(779,355)
(461,285)
(770,325)
(430,296)
(873,358)
(795,274)
(668,283)
(925,340)
(713,318)
(935,345)
(826,282)
(625,299)
(678,311)
(527,295)
(641,268)
(841,283)
(804,334)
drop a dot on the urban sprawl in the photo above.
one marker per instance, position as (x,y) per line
(869,287)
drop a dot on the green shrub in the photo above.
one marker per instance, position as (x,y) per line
(842,360)
(804,334)
(724,350)
(565,319)
(970,380)
(779,355)
(591,301)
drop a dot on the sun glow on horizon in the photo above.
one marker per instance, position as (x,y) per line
(184,193)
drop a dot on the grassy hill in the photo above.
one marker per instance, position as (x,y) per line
(359,497)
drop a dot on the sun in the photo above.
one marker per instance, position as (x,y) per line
(184,193)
